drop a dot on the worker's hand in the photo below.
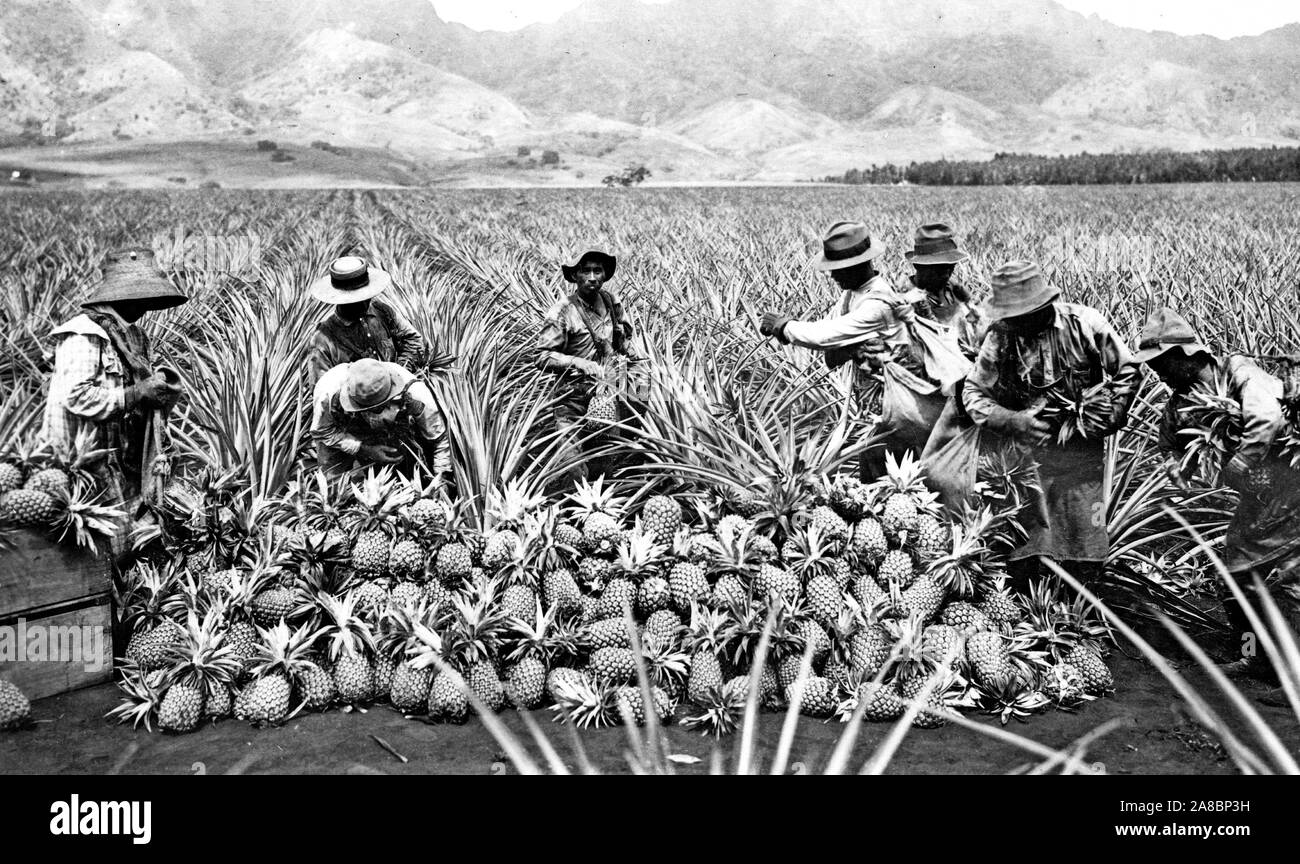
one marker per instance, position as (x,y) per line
(1236,474)
(380,454)
(1027,427)
(773,324)
(1175,475)
(157,393)
(905,312)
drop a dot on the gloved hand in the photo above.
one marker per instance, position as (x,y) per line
(1025,426)
(154,392)
(381,454)
(773,324)
(1236,474)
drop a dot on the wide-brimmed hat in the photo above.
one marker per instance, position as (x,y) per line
(368,385)
(1165,330)
(133,275)
(1018,289)
(935,244)
(609,262)
(350,280)
(846,244)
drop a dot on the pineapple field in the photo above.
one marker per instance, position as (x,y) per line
(727,582)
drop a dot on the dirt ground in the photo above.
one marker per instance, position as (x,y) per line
(1155,736)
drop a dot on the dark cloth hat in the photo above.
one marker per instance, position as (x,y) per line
(607,261)
(350,280)
(847,244)
(935,244)
(1165,330)
(1018,289)
(133,275)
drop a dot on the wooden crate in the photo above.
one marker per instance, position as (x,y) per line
(47,588)
(74,641)
(38,573)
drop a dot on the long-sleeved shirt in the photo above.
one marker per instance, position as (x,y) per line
(866,314)
(1078,348)
(88,388)
(968,321)
(382,333)
(1258,393)
(417,417)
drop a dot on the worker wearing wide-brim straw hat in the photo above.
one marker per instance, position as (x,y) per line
(1264,535)
(361,324)
(868,328)
(371,413)
(1037,343)
(105,391)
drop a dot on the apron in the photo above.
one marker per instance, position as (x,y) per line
(1071,524)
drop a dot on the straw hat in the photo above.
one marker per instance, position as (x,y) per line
(367,385)
(133,275)
(846,244)
(1164,330)
(609,262)
(1018,289)
(350,280)
(935,244)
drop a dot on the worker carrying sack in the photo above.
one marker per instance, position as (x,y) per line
(910,406)
(940,355)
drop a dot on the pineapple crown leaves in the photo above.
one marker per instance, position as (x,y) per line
(545,637)
(905,475)
(1011,697)
(709,629)
(721,713)
(508,508)
(665,662)
(964,567)
(427,647)
(284,651)
(85,519)
(908,655)
(808,552)
(202,657)
(591,497)
(143,693)
(377,501)
(345,632)
(152,594)
(542,549)
(638,553)
(585,703)
(476,627)
(1076,415)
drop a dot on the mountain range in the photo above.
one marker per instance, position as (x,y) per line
(774,90)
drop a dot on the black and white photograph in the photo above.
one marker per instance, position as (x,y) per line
(672,387)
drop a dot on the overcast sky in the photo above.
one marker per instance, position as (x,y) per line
(1224,18)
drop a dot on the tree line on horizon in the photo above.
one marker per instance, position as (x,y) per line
(1244,164)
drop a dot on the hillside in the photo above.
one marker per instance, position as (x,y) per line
(695,89)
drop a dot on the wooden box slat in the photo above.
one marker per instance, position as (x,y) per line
(38,572)
(69,663)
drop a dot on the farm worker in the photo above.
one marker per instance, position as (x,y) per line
(105,392)
(1037,342)
(361,325)
(372,413)
(1264,535)
(936,294)
(582,336)
(940,297)
(869,328)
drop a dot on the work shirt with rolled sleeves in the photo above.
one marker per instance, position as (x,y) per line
(418,420)
(1076,351)
(1265,528)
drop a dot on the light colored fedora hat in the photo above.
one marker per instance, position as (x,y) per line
(1018,289)
(369,384)
(846,244)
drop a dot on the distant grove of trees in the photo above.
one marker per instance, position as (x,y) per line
(1162,166)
